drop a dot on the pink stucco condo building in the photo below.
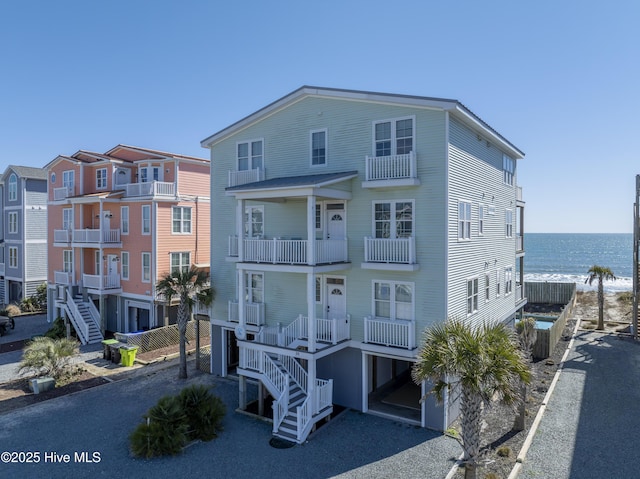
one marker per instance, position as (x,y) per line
(117,222)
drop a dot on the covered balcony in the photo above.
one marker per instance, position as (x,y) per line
(88,237)
(290,251)
(253,313)
(63,278)
(62,193)
(102,283)
(150,188)
(390,253)
(296,334)
(391,171)
(395,333)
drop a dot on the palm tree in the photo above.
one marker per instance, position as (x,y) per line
(186,285)
(483,361)
(206,297)
(600,274)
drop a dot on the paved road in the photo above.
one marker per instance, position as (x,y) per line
(593,416)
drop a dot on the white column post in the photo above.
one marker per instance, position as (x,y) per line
(311,230)
(241,311)
(311,310)
(365,383)
(240,228)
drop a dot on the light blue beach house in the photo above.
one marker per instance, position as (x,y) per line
(345,223)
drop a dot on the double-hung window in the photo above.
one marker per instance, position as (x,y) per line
(13,257)
(181,219)
(250,155)
(180,262)
(393,219)
(481,220)
(67,219)
(124,220)
(464,220)
(497,283)
(146,267)
(319,148)
(508,280)
(508,169)
(472,296)
(508,223)
(393,137)
(13,222)
(254,222)
(393,300)
(101,178)
(124,259)
(67,260)
(254,287)
(146,219)
(68,181)
(13,187)
(487,290)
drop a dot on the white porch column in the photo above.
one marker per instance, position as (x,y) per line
(365,383)
(241,305)
(311,311)
(311,230)
(240,229)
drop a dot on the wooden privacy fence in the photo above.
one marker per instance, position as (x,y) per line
(164,336)
(549,293)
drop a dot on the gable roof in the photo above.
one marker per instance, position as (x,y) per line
(26,172)
(454,107)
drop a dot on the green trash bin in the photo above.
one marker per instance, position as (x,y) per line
(106,351)
(128,355)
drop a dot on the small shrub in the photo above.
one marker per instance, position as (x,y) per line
(163,433)
(503,451)
(626,297)
(12,310)
(58,329)
(48,357)
(204,412)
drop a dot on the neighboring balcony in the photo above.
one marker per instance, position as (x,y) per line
(247,176)
(88,236)
(289,251)
(519,243)
(63,277)
(390,254)
(253,313)
(1,269)
(101,282)
(62,193)
(391,171)
(150,188)
(391,333)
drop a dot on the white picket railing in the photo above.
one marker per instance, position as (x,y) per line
(283,251)
(247,176)
(397,333)
(321,398)
(89,235)
(391,167)
(295,370)
(78,321)
(62,277)
(98,281)
(62,193)
(233,246)
(61,236)
(390,250)
(150,188)
(253,313)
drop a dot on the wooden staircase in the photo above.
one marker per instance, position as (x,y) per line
(82,319)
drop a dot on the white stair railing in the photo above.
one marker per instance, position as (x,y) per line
(76,318)
(295,370)
(95,314)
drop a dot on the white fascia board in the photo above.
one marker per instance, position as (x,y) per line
(290,193)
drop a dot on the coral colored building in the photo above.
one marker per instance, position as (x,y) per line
(118,222)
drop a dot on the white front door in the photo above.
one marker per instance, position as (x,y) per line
(336,299)
(336,225)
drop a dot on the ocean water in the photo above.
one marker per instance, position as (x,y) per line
(567,257)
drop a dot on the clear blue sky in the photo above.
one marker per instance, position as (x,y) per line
(559,79)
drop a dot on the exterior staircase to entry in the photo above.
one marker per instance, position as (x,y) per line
(85,319)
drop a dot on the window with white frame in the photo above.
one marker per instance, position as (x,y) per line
(464,220)
(472,296)
(250,155)
(13,187)
(508,280)
(101,178)
(180,262)
(393,219)
(509,169)
(68,181)
(13,257)
(146,219)
(487,290)
(393,137)
(13,222)
(318,217)
(318,289)
(124,220)
(254,222)
(319,148)
(124,261)
(98,264)
(67,260)
(393,300)
(497,283)
(146,267)
(181,219)
(254,287)
(508,223)
(67,219)
(150,173)
(481,220)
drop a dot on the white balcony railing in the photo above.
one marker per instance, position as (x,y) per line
(327,331)
(519,242)
(396,333)
(88,235)
(247,176)
(101,282)
(253,313)
(150,188)
(61,236)
(1,269)
(62,193)
(280,251)
(62,277)
(390,250)
(393,167)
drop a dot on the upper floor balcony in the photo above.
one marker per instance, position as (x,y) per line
(390,253)
(391,171)
(246,176)
(1,269)
(88,236)
(395,333)
(150,188)
(289,251)
(253,313)
(63,277)
(102,282)
(63,193)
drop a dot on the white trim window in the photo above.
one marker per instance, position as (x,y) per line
(254,222)
(180,262)
(13,222)
(393,137)
(497,283)
(98,264)
(13,187)
(68,181)
(472,296)
(480,220)
(508,223)
(181,220)
(124,261)
(487,289)
(254,287)
(150,173)
(508,280)
(318,148)
(101,178)
(393,300)
(146,219)
(13,257)
(318,289)
(124,220)
(464,220)
(250,155)
(146,267)
(393,219)
(508,169)
(67,260)
(67,219)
